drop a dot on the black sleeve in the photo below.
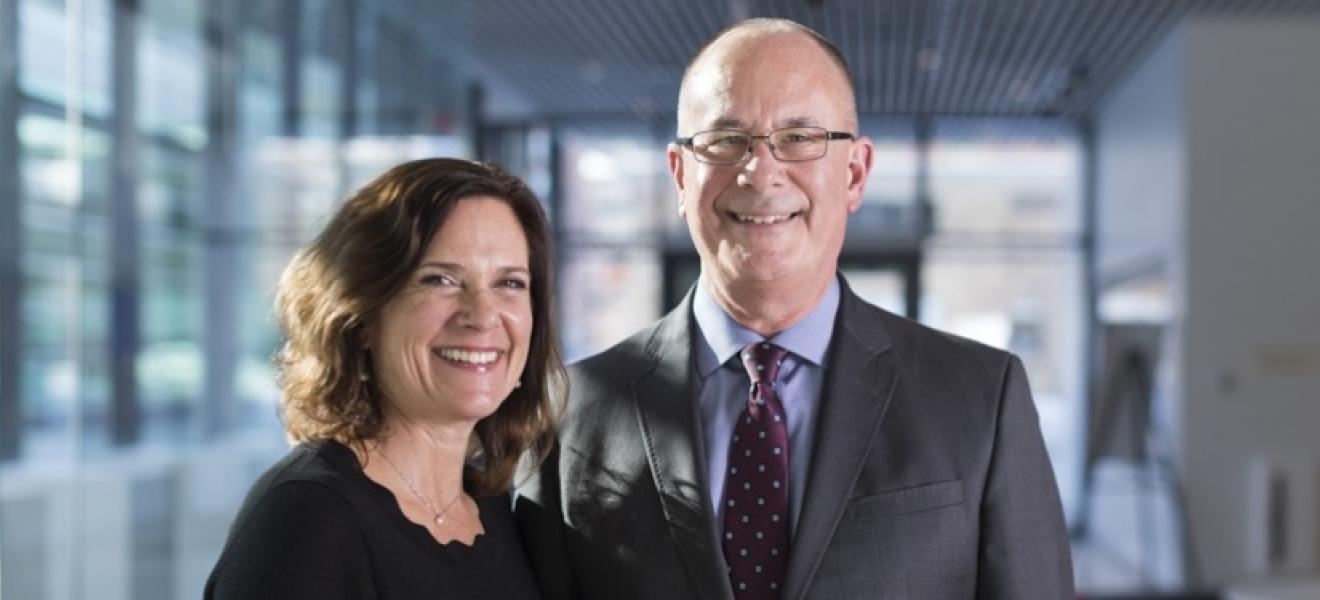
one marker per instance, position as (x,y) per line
(537,513)
(300,541)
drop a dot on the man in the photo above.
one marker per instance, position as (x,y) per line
(775,436)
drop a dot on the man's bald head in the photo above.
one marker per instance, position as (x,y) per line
(752,31)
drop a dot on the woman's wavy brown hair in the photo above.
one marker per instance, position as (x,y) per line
(335,287)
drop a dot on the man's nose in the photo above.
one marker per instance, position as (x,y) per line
(761,167)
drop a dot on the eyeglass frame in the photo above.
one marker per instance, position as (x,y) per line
(830,136)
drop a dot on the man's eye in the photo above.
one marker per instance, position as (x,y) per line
(728,140)
(794,138)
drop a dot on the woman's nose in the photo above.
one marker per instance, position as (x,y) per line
(478,310)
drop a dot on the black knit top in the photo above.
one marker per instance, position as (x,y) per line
(314,526)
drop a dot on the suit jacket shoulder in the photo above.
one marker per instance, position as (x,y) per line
(638,353)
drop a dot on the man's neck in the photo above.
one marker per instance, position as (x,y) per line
(766,307)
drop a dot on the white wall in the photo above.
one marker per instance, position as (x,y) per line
(1209,158)
(1251,376)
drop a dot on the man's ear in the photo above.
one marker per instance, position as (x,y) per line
(674,154)
(859,167)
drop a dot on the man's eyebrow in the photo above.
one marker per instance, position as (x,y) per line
(800,122)
(736,123)
(728,123)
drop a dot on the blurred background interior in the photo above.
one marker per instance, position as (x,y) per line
(1123,192)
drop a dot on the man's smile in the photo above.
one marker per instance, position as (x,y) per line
(762,219)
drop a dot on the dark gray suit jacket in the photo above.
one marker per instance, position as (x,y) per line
(928,480)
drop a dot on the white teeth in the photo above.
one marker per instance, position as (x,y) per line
(765,220)
(476,358)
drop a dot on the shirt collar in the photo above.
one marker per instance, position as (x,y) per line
(722,337)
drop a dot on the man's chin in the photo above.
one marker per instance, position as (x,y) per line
(760,270)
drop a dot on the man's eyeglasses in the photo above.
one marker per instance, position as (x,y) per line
(790,144)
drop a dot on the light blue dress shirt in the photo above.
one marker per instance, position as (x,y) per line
(723,386)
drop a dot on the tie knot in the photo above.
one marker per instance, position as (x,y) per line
(762,361)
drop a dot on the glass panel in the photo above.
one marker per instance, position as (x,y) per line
(607,295)
(160,507)
(893,177)
(325,40)
(169,366)
(1005,184)
(321,82)
(65,308)
(48,34)
(260,105)
(171,72)
(616,188)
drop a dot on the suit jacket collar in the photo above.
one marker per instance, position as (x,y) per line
(670,426)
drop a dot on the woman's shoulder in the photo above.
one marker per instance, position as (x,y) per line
(314,482)
(298,538)
(325,462)
(313,479)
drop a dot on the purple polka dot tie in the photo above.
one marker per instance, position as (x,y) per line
(756,485)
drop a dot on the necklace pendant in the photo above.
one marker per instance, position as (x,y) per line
(440,520)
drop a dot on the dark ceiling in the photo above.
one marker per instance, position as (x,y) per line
(599,58)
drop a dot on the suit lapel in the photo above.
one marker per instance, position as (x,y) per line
(856,397)
(667,416)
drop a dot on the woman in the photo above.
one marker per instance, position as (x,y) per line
(419,366)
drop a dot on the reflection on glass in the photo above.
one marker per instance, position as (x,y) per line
(893,175)
(1023,186)
(198,284)
(171,69)
(45,42)
(321,80)
(616,188)
(607,295)
(65,305)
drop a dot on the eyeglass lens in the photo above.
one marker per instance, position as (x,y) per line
(793,143)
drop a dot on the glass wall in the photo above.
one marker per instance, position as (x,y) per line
(619,213)
(171,155)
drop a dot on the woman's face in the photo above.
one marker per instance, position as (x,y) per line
(450,346)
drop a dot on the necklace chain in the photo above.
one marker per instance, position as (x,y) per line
(438,515)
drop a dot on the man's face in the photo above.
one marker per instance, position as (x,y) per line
(764,220)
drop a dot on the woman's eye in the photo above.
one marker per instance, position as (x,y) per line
(436,279)
(516,284)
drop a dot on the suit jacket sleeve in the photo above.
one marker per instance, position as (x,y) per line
(1024,551)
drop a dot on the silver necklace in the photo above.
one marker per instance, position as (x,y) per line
(438,515)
